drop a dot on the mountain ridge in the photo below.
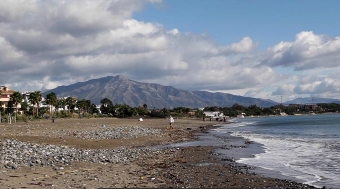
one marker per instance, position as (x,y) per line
(133,93)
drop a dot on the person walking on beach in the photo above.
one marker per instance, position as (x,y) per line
(171,120)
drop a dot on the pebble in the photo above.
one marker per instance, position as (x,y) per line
(126,132)
(14,153)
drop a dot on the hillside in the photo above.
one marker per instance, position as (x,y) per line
(124,91)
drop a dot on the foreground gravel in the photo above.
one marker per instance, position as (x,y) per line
(15,153)
(126,132)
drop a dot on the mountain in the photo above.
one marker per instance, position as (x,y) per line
(225,99)
(307,100)
(124,91)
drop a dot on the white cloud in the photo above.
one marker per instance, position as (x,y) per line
(13,10)
(317,85)
(44,44)
(325,87)
(287,89)
(308,51)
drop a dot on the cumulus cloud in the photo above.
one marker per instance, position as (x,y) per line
(57,42)
(308,51)
(316,85)
(311,85)
(45,44)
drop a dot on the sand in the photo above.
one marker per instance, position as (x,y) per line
(190,167)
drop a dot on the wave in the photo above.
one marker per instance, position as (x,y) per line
(317,162)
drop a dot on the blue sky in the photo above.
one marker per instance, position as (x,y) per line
(262,49)
(266,22)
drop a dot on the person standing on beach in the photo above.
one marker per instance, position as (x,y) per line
(171,120)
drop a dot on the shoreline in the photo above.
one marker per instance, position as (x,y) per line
(245,148)
(207,162)
(195,166)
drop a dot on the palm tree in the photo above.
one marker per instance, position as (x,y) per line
(93,109)
(1,103)
(1,108)
(81,105)
(145,106)
(35,98)
(38,100)
(61,103)
(70,102)
(106,102)
(106,105)
(87,105)
(16,98)
(32,99)
(52,100)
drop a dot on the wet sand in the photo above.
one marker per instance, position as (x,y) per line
(192,166)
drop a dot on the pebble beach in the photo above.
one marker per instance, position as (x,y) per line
(118,153)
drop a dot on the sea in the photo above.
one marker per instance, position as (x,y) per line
(304,147)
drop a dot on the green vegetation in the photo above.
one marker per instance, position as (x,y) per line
(71,107)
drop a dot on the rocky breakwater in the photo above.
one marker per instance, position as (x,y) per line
(14,153)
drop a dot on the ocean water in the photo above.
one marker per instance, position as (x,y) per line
(305,147)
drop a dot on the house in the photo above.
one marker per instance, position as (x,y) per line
(241,115)
(26,96)
(5,96)
(192,113)
(214,115)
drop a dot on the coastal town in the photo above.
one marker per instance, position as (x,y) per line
(116,151)
(33,105)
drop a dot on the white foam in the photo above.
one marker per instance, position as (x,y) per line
(305,160)
(309,153)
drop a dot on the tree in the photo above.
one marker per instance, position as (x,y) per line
(82,105)
(35,98)
(122,110)
(87,105)
(145,106)
(38,100)
(141,111)
(24,106)
(165,111)
(70,102)
(106,102)
(52,100)
(93,109)
(16,98)
(1,108)
(106,105)
(61,103)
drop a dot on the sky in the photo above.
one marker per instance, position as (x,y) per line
(262,49)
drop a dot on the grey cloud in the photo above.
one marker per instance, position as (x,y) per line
(59,44)
(14,10)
